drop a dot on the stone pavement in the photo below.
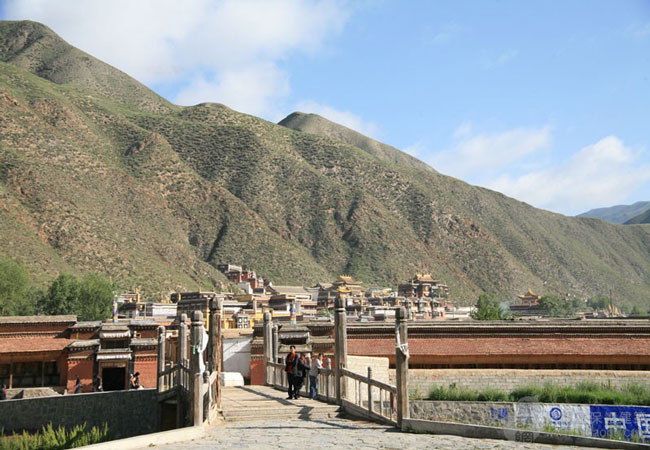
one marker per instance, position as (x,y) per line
(258,417)
(335,434)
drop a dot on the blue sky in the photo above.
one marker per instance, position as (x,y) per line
(545,101)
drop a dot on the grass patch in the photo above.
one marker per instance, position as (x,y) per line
(585,392)
(56,439)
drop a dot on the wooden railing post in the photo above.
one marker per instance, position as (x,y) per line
(275,348)
(401,365)
(328,379)
(213,337)
(268,332)
(161,358)
(195,375)
(340,347)
(369,391)
(181,356)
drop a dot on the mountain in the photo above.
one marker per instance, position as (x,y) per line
(618,213)
(644,217)
(315,124)
(97,173)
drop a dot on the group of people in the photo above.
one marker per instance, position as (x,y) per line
(298,367)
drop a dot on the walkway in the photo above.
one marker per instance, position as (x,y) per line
(259,417)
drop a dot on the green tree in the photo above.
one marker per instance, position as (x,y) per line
(599,302)
(62,297)
(88,299)
(555,306)
(95,298)
(488,307)
(635,311)
(16,297)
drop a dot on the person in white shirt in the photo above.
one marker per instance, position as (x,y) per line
(316,364)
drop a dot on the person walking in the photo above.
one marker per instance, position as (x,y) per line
(97,384)
(299,374)
(291,362)
(77,385)
(316,365)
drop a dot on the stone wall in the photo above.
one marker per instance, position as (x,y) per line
(496,414)
(422,380)
(379,366)
(603,421)
(127,413)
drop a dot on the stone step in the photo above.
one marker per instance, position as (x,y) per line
(282,416)
(290,410)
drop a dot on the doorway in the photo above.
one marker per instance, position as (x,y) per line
(114,378)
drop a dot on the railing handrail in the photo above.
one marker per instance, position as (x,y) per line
(371,381)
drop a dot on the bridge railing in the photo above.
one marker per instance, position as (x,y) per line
(326,392)
(356,394)
(197,394)
(366,396)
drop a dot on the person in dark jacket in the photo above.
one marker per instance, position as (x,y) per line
(291,362)
(300,373)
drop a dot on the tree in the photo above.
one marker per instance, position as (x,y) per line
(488,307)
(95,298)
(88,299)
(636,311)
(16,298)
(554,306)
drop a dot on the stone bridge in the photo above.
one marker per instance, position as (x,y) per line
(260,417)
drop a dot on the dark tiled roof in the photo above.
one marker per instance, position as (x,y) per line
(37,319)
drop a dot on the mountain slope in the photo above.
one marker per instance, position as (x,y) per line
(618,213)
(315,124)
(155,195)
(644,217)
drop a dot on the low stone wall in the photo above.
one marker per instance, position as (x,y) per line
(127,413)
(492,414)
(600,421)
(506,380)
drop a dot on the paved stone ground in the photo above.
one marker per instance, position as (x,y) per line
(333,433)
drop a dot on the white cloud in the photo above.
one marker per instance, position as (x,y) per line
(345,118)
(445,34)
(212,43)
(417,149)
(483,154)
(253,89)
(638,30)
(604,173)
(499,60)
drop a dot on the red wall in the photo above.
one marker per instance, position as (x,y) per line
(257,371)
(148,368)
(82,369)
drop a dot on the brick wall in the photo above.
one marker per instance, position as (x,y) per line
(509,379)
(82,369)
(148,368)
(127,413)
(257,370)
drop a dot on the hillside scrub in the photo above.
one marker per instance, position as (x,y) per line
(100,174)
(582,393)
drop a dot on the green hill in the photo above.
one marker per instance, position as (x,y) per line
(315,124)
(618,213)
(644,217)
(98,173)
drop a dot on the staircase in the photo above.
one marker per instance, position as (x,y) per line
(249,403)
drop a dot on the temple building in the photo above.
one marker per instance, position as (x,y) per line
(527,305)
(52,351)
(423,285)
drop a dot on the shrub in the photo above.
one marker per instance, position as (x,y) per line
(56,439)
